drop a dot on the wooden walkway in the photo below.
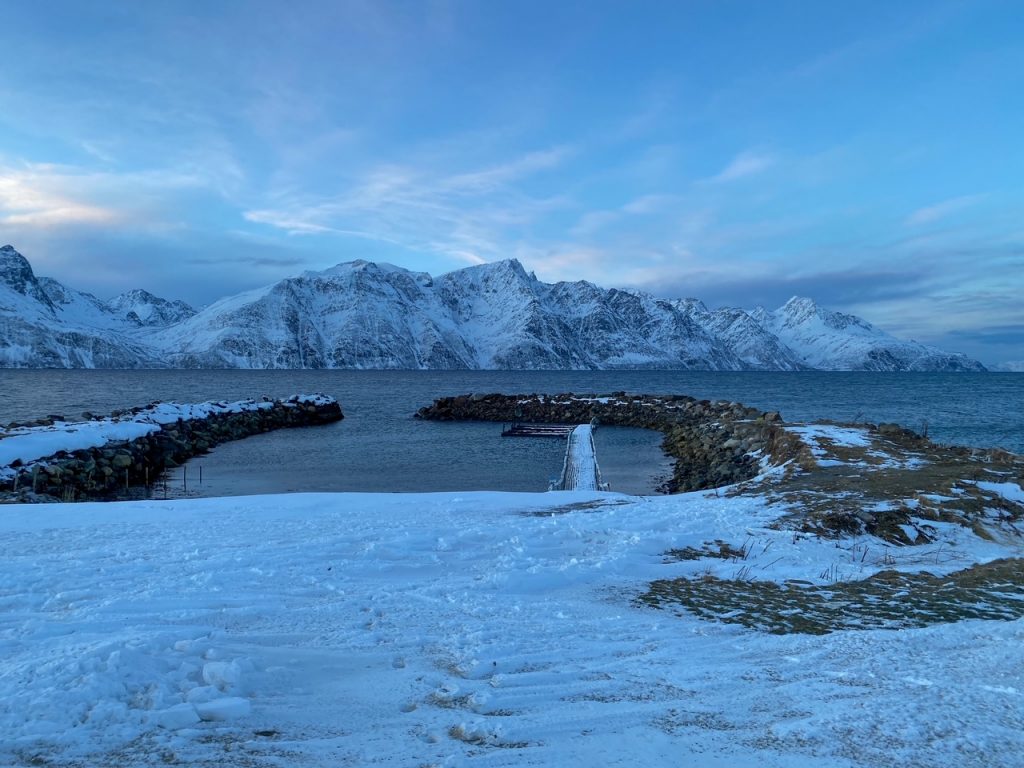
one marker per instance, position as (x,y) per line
(580,471)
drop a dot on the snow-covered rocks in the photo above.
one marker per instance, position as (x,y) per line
(96,458)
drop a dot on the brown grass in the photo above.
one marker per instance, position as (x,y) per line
(888,599)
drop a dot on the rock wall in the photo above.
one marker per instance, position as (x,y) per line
(714,443)
(120,468)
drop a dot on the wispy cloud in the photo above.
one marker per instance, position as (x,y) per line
(47,196)
(57,214)
(592,222)
(292,222)
(491,179)
(743,165)
(466,216)
(650,204)
(32,199)
(932,213)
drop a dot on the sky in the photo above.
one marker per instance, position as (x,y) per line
(868,155)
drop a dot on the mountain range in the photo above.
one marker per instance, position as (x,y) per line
(492,316)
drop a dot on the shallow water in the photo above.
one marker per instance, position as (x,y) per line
(380,447)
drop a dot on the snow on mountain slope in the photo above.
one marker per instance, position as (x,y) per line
(79,308)
(836,341)
(46,325)
(355,315)
(633,330)
(491,316)
(743,335)
(497,309)
(141,308)
(363,315)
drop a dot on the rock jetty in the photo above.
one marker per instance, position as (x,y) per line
(106,458)
(714,443)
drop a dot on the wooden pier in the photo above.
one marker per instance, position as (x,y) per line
(580,471)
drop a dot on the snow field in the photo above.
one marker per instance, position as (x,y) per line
(455,629)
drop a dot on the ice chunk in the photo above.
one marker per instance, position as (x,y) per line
(224,709)
(176,717)
(223,674)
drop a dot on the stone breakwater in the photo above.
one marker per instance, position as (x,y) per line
(135,446)
(714,443)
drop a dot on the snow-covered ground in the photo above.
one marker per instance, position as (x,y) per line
(454,629)
(845,436)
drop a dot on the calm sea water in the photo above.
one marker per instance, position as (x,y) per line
(380,447)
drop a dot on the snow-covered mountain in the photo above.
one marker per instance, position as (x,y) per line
(44,324)
(142,308)
(744,335)
(838,342)
(365,315)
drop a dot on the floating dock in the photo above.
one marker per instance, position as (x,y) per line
(538,430)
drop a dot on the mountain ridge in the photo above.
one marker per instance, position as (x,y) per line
(360,314)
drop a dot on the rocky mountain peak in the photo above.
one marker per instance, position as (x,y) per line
(16,273)
(15,269)
(135,294)
(761,316)
(799,307)
(142,308)
(504,268)
(691,306)
(801,310)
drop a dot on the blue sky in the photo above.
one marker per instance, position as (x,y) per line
(869,155)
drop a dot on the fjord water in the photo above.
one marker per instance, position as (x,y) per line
(381,447)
